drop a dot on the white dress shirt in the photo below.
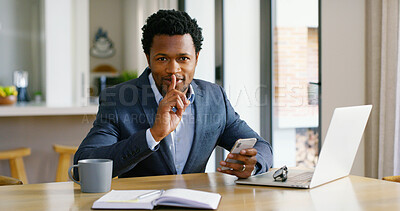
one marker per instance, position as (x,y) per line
(180,140)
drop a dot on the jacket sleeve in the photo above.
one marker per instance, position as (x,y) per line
(235,128)
(103,140)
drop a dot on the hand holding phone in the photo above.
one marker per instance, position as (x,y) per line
(240,145)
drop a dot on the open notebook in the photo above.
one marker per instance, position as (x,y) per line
(126,199)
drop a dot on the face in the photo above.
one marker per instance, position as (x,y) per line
(172,55)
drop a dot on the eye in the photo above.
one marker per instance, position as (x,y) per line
(184,58)
(161,59)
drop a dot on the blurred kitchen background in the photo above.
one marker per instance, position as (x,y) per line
(272,57)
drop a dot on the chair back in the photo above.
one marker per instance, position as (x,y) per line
(17,167)
(64,161)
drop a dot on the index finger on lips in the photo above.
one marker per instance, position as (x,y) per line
(173,83)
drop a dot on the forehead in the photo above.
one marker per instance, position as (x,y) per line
(175,44)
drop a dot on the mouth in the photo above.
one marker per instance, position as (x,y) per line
(167,80)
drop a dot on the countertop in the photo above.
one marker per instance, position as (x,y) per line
(42,109)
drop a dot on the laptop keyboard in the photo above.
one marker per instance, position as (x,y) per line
(301,178)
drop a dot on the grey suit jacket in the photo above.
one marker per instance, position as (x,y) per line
(127,110)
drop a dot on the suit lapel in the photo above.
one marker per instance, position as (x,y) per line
(149,105)
(200,109)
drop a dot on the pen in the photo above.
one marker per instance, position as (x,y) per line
(150,194)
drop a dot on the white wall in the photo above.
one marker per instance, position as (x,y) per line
(134,58)
(343,61)
(242,58)
(81,46)
(203,12)
(58,34)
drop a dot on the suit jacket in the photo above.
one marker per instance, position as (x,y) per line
(127,110)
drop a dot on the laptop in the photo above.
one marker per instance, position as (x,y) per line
(336,157)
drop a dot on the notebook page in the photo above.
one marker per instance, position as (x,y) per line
(125,199)
(189,198)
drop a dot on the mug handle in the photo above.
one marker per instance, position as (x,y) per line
(70,176)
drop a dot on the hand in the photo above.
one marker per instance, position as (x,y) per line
(247,156)
(166,119)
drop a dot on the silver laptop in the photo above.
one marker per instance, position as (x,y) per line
(337,154)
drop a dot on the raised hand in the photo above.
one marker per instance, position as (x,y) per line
(166,119)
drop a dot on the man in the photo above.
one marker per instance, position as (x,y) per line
(166,122)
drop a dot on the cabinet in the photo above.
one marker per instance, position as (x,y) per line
(49,40)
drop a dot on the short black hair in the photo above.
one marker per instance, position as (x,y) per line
(170,22)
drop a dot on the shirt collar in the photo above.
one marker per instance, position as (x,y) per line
(158,95)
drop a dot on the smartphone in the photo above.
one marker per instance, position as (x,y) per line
(239,145)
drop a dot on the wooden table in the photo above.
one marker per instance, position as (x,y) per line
(349,193)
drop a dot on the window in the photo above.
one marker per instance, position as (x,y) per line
(295,82)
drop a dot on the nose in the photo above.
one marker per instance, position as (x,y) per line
(173,67)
